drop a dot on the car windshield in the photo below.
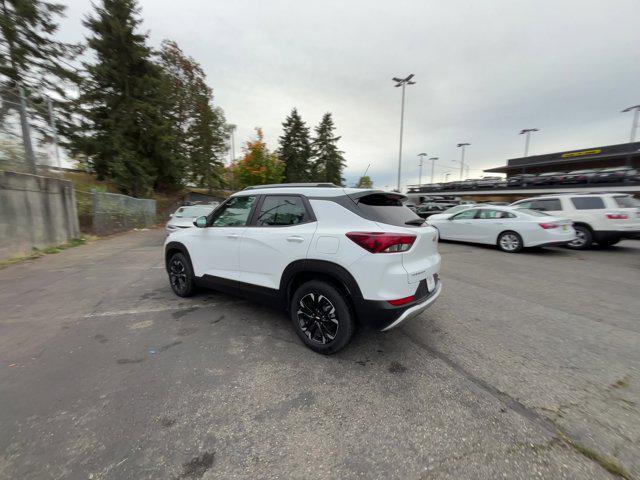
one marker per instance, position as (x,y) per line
(627,201)
(456,209)
(194,211)
(533,213)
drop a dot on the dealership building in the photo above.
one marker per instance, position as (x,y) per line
(622,155)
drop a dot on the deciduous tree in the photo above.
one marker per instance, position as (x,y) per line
(258,166)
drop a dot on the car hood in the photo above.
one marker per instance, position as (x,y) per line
(181,221)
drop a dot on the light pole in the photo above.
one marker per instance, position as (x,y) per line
(421,155)
(232,152)
(433,161)
(527,134)
(446,177)
(634,122)
(402,82)
(462,145)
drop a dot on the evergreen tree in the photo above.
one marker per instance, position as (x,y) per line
(128,126)
(31,58)
(328,160)
(295,149)
(202,139)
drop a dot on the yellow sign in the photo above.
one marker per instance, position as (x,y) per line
(582,153)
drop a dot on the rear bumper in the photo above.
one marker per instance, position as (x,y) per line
(383,316)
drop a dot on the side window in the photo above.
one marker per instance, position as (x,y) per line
(466,214)
(492,214)
(524,204)
(546,205)
(234,213)
(282,210)
(587,203)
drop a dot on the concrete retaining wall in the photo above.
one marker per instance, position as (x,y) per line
(35,212)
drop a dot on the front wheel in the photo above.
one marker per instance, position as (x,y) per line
(584,238)
(181,275)
(510,242)
(321,317)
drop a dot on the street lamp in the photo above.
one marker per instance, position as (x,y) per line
(421,155)
(402,82)
(462,145)
(433,161)
(527,133)
(634,122)
(446,177)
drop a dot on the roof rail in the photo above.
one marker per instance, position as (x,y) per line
(295,185)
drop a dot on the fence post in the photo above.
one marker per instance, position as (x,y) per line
(26,132)
(94,210)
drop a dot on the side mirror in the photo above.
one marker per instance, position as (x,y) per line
(201,222)
(171,215)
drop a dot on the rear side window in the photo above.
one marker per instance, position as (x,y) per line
(547,205)
(279,210)
(627,201)
(388,209)
(587,203)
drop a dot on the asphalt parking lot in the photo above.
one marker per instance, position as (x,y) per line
(528,366)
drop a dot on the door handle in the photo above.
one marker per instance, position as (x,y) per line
(233,236)
(295,239)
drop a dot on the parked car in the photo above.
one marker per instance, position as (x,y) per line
(330,256)
(510,229)
(548,178)
(580,176)
(469,183)
(487,182)
(427,209)
(522,180)
(411,206)
(452,211)
(183,217)
(617,174)
(602,218)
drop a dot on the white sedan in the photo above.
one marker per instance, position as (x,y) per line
(511,229)
(184,216)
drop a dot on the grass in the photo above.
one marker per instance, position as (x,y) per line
(45,251)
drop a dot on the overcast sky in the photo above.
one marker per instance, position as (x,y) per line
(484,70)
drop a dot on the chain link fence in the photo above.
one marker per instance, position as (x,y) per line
(102,213)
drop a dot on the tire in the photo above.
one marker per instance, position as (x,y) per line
(181,275)
(584,238)
(318,311)
(609,242)
(510,242)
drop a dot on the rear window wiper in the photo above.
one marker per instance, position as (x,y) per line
(416,221)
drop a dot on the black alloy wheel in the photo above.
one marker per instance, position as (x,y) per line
(180,275)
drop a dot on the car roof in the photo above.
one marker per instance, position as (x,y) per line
(308,191)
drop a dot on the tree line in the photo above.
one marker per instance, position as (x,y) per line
(141,117)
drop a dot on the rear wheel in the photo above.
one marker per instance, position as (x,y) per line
(321,317)
(510,242)
(584,238)
(181,275)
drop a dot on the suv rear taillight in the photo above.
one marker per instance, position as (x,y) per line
(379,242)
(616,216)
(547,226)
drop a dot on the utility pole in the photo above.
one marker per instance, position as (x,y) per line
(527,135)
(433,161)
(232,131)
(401,82)
(26,132)
(634,122)
(463,146)
(54,131)
(421,155)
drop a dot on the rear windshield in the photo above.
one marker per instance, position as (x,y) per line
(627,201)
(388,209)
(533,213)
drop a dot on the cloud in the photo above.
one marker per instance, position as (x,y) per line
(484,70)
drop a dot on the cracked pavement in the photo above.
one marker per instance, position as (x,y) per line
(104,373)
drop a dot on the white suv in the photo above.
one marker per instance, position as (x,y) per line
(602,218)
(333,257)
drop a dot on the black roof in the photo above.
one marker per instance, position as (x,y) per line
(571,156)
